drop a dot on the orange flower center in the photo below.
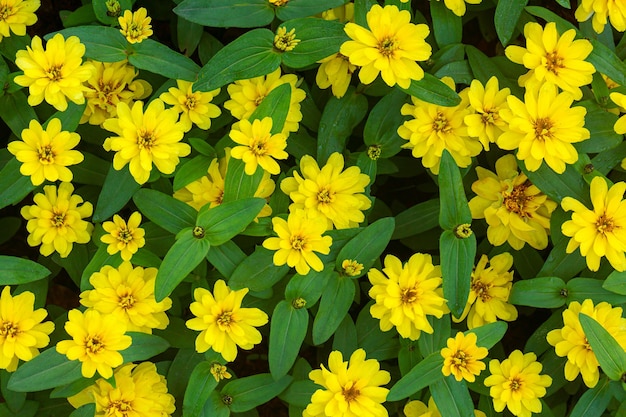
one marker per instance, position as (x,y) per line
(297,242)
(93,344)
(46,155)
(127,301)
(8,329)
(440,124)
(489,117)
(145,140)
(120,406)
(516,201)
(258,147)
(604,224)
(190,103)
(5,12)
(481,289)
(124,235)
(54,73)
(554,62)
(350,392)
(515,383)
(387,46)
(58,219)
(460,359)
(408,295)
(324,196)
(543,128)
(135,30)
(225,319)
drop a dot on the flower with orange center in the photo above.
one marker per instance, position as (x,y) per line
(194,107)
(486,101)
(135,26)
(124,237)
(601,12)
(258,146)
(462,357)
(15,15)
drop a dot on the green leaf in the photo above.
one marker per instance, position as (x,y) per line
(568,184)
(600,123)
(334,305)
(484,68)
(287,331)
(13,185)
(452,397)
(238,184)
(47,370)
(319,39)
(275,105)
(16,271)
(189,35)
(92,170)
(227,220)
(616,282)
(562,264)
(454,209)
(423,375)
(544,292)
(447,27)
(70,118)
(226,13)
(459,71)
(580,289)
(594,401)
(144,347)
(215,406)
(119,187)
(381,127)
(366,247)
(610,354)
(257,272)
(299,393)
(16,112)
(192,170)
(432,90)
(104,44)
(74,387)
(226,258)
(87,410)
(201,385)
(202,147)
(167,212)
(180,370)
(379,345)
(489,334)
(507,15)
(252,391)
(435,341)
(14,400)
(457,262)
(308,287)
(155,57)
(303,8)
(417,219)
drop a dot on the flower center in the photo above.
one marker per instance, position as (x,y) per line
(225,319)
(604,224)
(135,30)
(58,219)
(285,41)
(460,358)
(408,295)
(145,140)
(554,62)
(440,124)
(8,329)
(5,12)
(127,301)
(46,155)
(543,128)
(387,46)
(125,236)
(93,344)
(54,73)
(259,99)
(516,200)
(297,242)
(350,392)
(489,117)
(515,384)
(120,406)
(190,103)
(258,147)
(324,196)
(481,289)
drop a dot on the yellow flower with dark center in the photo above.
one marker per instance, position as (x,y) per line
(406,294)
(601,231)
(298,238)
(285,41)
(135,26)
(516,211)
(96,342)
(22,332)
(223,324)
(336,73)
(219,371)
(554,59)
(56,220)
(416,408)
(486,101)
(570,340)
(350,388)
(123,237)
(56,73)
(258,145)
(153,136)
(194,107)
(15,15)
(458,6)
(332,192)
(351,267)
(516,383)
(127,293)
(602,11)
(462,357)
(390,47)
(46,154)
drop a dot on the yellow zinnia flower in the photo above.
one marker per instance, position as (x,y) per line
(16,15)
(298,237)
(96,342)
(56,221)
(458,6)
(127,293)
(391,46)
(22,332)
(135,26)
(516,211)
(259,145)
(406,294)
(145,138)
(601,231)
(335,72)
(223,323)
(194,107)
(351,388)
(123,237)
(56,73)
(416,408)
(487,101)
(46,154)
(554,59)
(600,11)
(285,41)
(462,357)
(516,383)
(219,371)
(332,192)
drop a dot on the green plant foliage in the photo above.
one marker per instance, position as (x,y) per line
(223,13)
(611,357)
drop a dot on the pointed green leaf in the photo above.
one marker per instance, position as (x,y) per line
(454,209)
(424,374)
(257,271)
(544,292)
(227,220)
(417,219)
(379,345)
(299,393)
(616,282)
(287,331)
(191,170)
(381,127)
(201,385)
(87,410)
(119,187)
(610,354)
(99,260)
(447,27)
(303,8)
(252,391)
(489,334)
(457,262)
(13,185)
(432,90)
(47,370)
(507,15)
(334,305)
(167,212)
(104,44)
(16,271)
(308,287)
(144,347)
(562,264)
(580,289)
(238,184)
(452,397)
(435,341)
(226,13)
(319,39)
(484,68)
(155,57)
(594,401)
(275,105)
(366,247)
(16,112)
(226,258)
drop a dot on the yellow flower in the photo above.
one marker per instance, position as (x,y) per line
(487,101)
(146,138)
(332,192)
(553,59)
(601,231)
(351,388)
(194,107)
(351,268)
(435,128)
(335,72)
(223,323)
(122,237)
(391,46)
(135,26)
(620,124)
(16,15)
(96,342)
(259,145)
(285,41)
(127,293)
(416,408)
(219,371)
(570,340)
(22,332)
(516,211)
(111,83)
(462,357)
(246,95)
(600,11)
(46,154)
(343,13)
(56,73)
(406,294)
(458,6)
(56,221)
(298,238)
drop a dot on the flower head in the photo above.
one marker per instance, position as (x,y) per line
(135,26)
(391,46)
(194,107)
(416,408)
(406,294)
(516,211)
(16,15)
(258,146)
(486,101)
(335,72)
(122,237)
(285,41)
(56,73)
(56,221)
(22,332)
(458,6)
(219,371)
(145,138)
(298,238)
(332,192)
(223,323)
(96,342)
(350,388)
(600,11)
(351,268)
(462,357)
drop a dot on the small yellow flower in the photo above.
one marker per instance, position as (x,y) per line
(462,357)
(135,26)
(96,342)
(458,6)
(259,145)
(223,323)
(351,268)
(487,101)
(56,221)
(350,388)
(620,124)
(600,11)
(122,237)
(16,15)
(516,383)
(114,8)
(285,41)
(298,238)
(391,46)
(194,107)
(335,72)
(219,371)
(416,408)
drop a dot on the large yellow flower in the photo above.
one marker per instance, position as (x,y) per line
(135,26)
(223,323)
(516,211)
(56,73)
(406,294)
(601,231)
(22,332)
(600,11)
(56,221)
(46,154)
(486,101)
(552,58)
(462,357)
(332,192)
(145,138)
(258,146)
(194,107)
(391,46)
(351,388)
(16,15)
(336,73)
(123,237)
